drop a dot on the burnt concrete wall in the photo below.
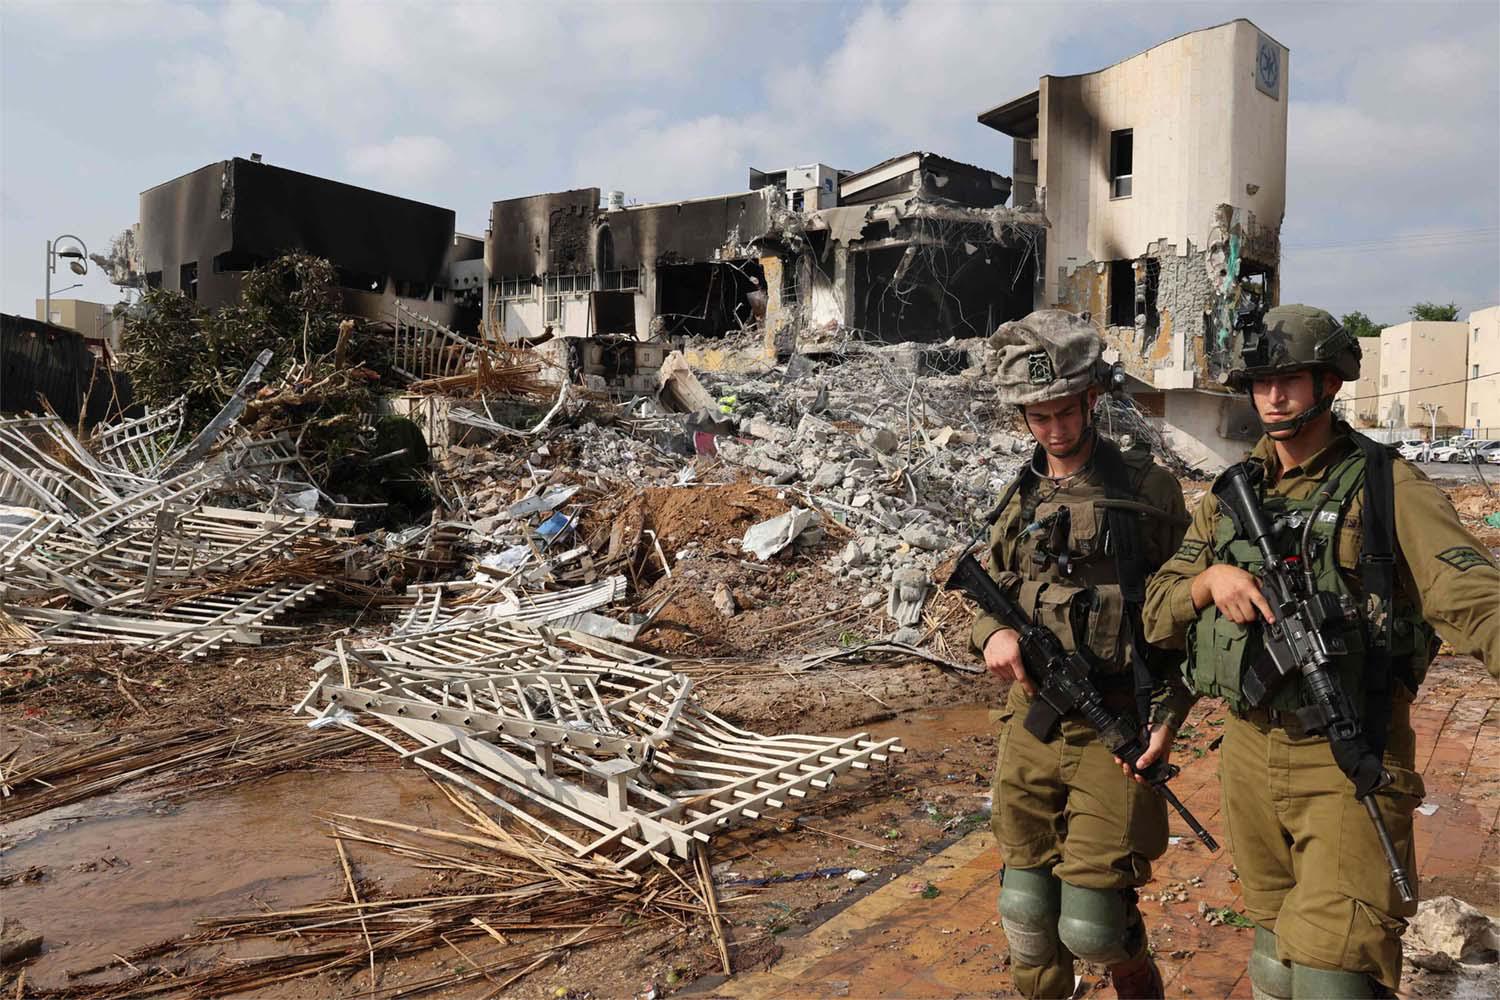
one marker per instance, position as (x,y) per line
(187,220)
(275,210)
(941,179)
(687,231)
(228,217)
(542,233)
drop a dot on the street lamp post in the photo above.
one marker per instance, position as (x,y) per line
(77,261)
(1432,412)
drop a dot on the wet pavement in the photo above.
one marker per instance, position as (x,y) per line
(933,931)
(114,883)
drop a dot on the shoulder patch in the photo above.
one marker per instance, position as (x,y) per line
(1463,558)
(1190,550)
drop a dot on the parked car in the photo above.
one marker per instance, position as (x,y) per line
(1451,450)
(1412,449)
(1482,451)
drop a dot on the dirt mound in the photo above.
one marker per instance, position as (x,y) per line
(708,515)
(1474,503)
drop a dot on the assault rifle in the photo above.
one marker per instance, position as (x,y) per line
(1301,641)
(1063,683)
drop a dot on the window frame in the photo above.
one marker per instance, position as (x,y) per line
(1115,174)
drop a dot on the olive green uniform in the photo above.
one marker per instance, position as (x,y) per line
(1064,805)
(1310,866)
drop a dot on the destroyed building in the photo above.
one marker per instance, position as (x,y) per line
(919,247)
(199,234)
(1149,194)
(1163,180)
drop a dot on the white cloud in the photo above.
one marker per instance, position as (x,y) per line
(1392,120)
(898,79)
(402,161)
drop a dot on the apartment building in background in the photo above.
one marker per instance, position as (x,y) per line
(1423,367)
(1482,415)
(95,320)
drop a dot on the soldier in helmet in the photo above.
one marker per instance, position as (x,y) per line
(1379,535)
(1073,540)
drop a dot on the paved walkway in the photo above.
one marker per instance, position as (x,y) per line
(905,941)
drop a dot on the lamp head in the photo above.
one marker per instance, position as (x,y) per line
(78,267)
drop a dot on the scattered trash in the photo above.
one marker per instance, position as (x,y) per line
(769,537)
(1428,808)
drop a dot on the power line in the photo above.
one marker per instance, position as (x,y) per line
(1416,241)
(1437,234)
(1424,388)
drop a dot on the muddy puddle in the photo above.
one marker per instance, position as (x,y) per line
(112,884)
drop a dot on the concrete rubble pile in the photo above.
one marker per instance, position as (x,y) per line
(887,455)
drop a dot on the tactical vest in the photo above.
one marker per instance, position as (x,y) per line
(1080,563)
(1220,650)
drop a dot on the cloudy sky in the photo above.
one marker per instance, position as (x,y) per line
(1393,168)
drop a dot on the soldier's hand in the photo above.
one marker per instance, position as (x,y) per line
(1235,592)
(1002,656)
(1158,749)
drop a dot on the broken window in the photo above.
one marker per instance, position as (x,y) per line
(1122,293)
(1121,162)
(552,310)
(188,280)
(236,260)
(565,284)
(515,287)
(360,281)
(709,298)
(789,281)
(1152,286)
(797,201)
(412,290)
(622,279)
(153,279)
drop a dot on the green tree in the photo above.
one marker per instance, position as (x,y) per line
(1435,312)
(174,348)
(1361,325)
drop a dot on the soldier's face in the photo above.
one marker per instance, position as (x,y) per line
(1059,424)
(1286,397)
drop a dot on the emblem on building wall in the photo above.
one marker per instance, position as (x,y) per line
(1268,67)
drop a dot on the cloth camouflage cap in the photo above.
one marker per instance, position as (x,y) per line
(1292,339)
(1050,354)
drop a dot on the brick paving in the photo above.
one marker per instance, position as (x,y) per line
(895,943)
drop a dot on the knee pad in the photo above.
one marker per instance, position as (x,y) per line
(1270,977)
(1099,925)
(1029,901)
(1310,982)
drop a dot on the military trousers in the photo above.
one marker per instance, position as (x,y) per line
(1310,865)
(1065,804)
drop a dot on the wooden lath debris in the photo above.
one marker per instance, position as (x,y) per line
(435,359)
(598,747)
(92,551)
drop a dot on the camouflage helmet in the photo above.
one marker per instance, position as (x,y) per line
(1050,354)
(1293,339)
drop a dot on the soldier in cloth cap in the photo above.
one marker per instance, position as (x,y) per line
(1373,531)
(1072,541)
